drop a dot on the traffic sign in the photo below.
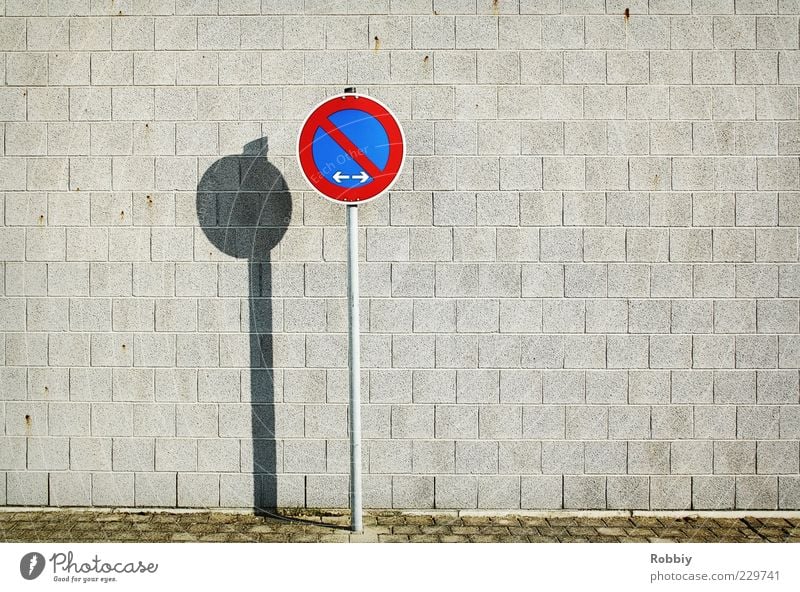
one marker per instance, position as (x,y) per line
(351,148)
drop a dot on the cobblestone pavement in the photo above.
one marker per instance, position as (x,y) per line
(331,526)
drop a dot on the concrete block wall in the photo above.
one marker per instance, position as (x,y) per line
(581,293)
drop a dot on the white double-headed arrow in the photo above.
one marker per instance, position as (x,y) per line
(338,176)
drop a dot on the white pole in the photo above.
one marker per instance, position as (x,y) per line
(355,368)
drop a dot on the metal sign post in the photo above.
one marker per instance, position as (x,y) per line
(351,149)
(354,360)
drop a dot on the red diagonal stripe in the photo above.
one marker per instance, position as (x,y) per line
(352,150)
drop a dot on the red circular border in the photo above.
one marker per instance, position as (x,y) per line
(396,148)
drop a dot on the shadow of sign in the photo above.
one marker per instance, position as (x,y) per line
(244,207)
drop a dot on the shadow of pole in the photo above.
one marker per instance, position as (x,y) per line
(244,207)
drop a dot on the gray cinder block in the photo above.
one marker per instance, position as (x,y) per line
(584,492)
(410,491)
(627,491)
(70,489)
(542,492)
(27,488)
(198,490)
(756,492)
(670,493)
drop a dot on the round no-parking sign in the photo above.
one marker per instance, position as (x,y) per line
(351,148)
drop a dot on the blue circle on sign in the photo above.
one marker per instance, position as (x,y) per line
(334,161)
